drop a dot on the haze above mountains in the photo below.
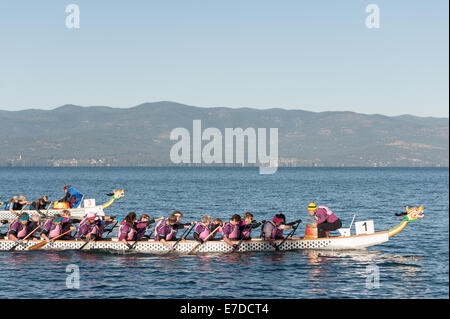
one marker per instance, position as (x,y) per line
(139,136)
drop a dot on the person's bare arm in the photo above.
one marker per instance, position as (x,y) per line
(167,244)
(229,242)
(13,237)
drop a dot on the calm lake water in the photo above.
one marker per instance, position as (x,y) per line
(413,264)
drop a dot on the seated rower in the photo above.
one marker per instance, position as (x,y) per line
(127,231)
(247,225)
(10,203)
(36,220)
(273,230)
(90,228)
(179,225)
(164,231)
(231,230)
(40,203)
(143,224)
(217,222)
(53,227)
(17,203)
(202,229)
(67,223)
(21,227)
(72,196)
(325,219)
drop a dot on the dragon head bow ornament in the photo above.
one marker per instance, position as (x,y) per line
(413,213)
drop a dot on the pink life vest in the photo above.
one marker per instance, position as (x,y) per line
(159,230)
(20,229)
(129,230)
(234,234)
(204,233)
(55,230)
(275,232)
(23,232)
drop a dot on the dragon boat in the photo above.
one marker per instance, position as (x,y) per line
(74,212)
(347,242)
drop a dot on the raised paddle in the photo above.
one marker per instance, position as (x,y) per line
(18,243)
(206,239)
(44,242)
(290,234)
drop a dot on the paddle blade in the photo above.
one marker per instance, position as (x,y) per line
(37,246)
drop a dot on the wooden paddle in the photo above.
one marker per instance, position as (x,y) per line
(44,242)
(206,239)
(14,247)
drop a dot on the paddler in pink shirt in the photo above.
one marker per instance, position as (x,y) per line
(247,225)
(231,230)
(202,230)
(53,227)
(21,227)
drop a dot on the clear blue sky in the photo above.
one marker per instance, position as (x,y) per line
(312,55)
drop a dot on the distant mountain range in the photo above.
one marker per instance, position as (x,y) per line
(139,136)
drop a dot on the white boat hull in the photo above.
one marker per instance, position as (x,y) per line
(217,246)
